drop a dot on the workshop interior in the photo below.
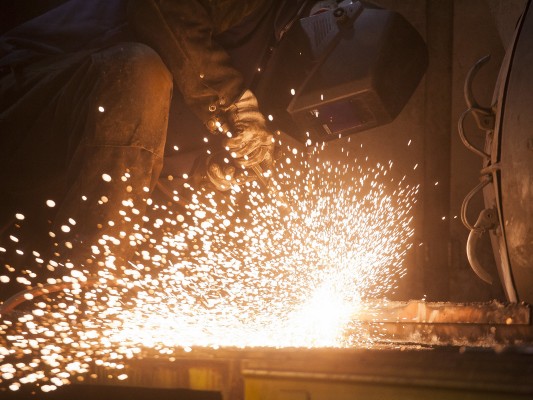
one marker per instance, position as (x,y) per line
(425,104)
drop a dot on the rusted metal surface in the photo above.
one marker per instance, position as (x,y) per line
(414,372)
(442,373)
(448,334)
(203,369)
(474,324)
(516,161)
(424,350)
(417,311)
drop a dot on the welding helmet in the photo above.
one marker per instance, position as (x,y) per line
(327,5)
(342,68)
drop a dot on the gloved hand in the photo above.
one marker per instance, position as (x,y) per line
(212,170)
(217,170)
(220,173)
(249,143)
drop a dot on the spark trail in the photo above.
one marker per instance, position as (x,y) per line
(239,269)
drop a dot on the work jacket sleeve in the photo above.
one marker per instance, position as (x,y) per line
(182,31)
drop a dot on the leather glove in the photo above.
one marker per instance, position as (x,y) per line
(249,142)
(217,170)
(220,173)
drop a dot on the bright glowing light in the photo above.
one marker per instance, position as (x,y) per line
(288,266)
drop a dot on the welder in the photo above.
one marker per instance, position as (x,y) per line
(89,90)
(85,99)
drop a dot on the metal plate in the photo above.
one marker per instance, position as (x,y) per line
(516,161)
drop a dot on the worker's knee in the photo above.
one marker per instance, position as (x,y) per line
(132,98)
(137,64)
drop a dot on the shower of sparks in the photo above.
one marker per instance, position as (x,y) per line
(247,268)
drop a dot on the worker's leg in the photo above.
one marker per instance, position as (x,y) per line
(99,139)
(119,158)
(125,129)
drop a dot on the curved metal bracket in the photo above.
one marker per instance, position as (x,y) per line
(484,116)
(488,219)
(468,197)
(464,139)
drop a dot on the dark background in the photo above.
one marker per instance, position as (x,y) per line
(14,12)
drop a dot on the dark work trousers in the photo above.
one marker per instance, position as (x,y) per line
(86,130)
